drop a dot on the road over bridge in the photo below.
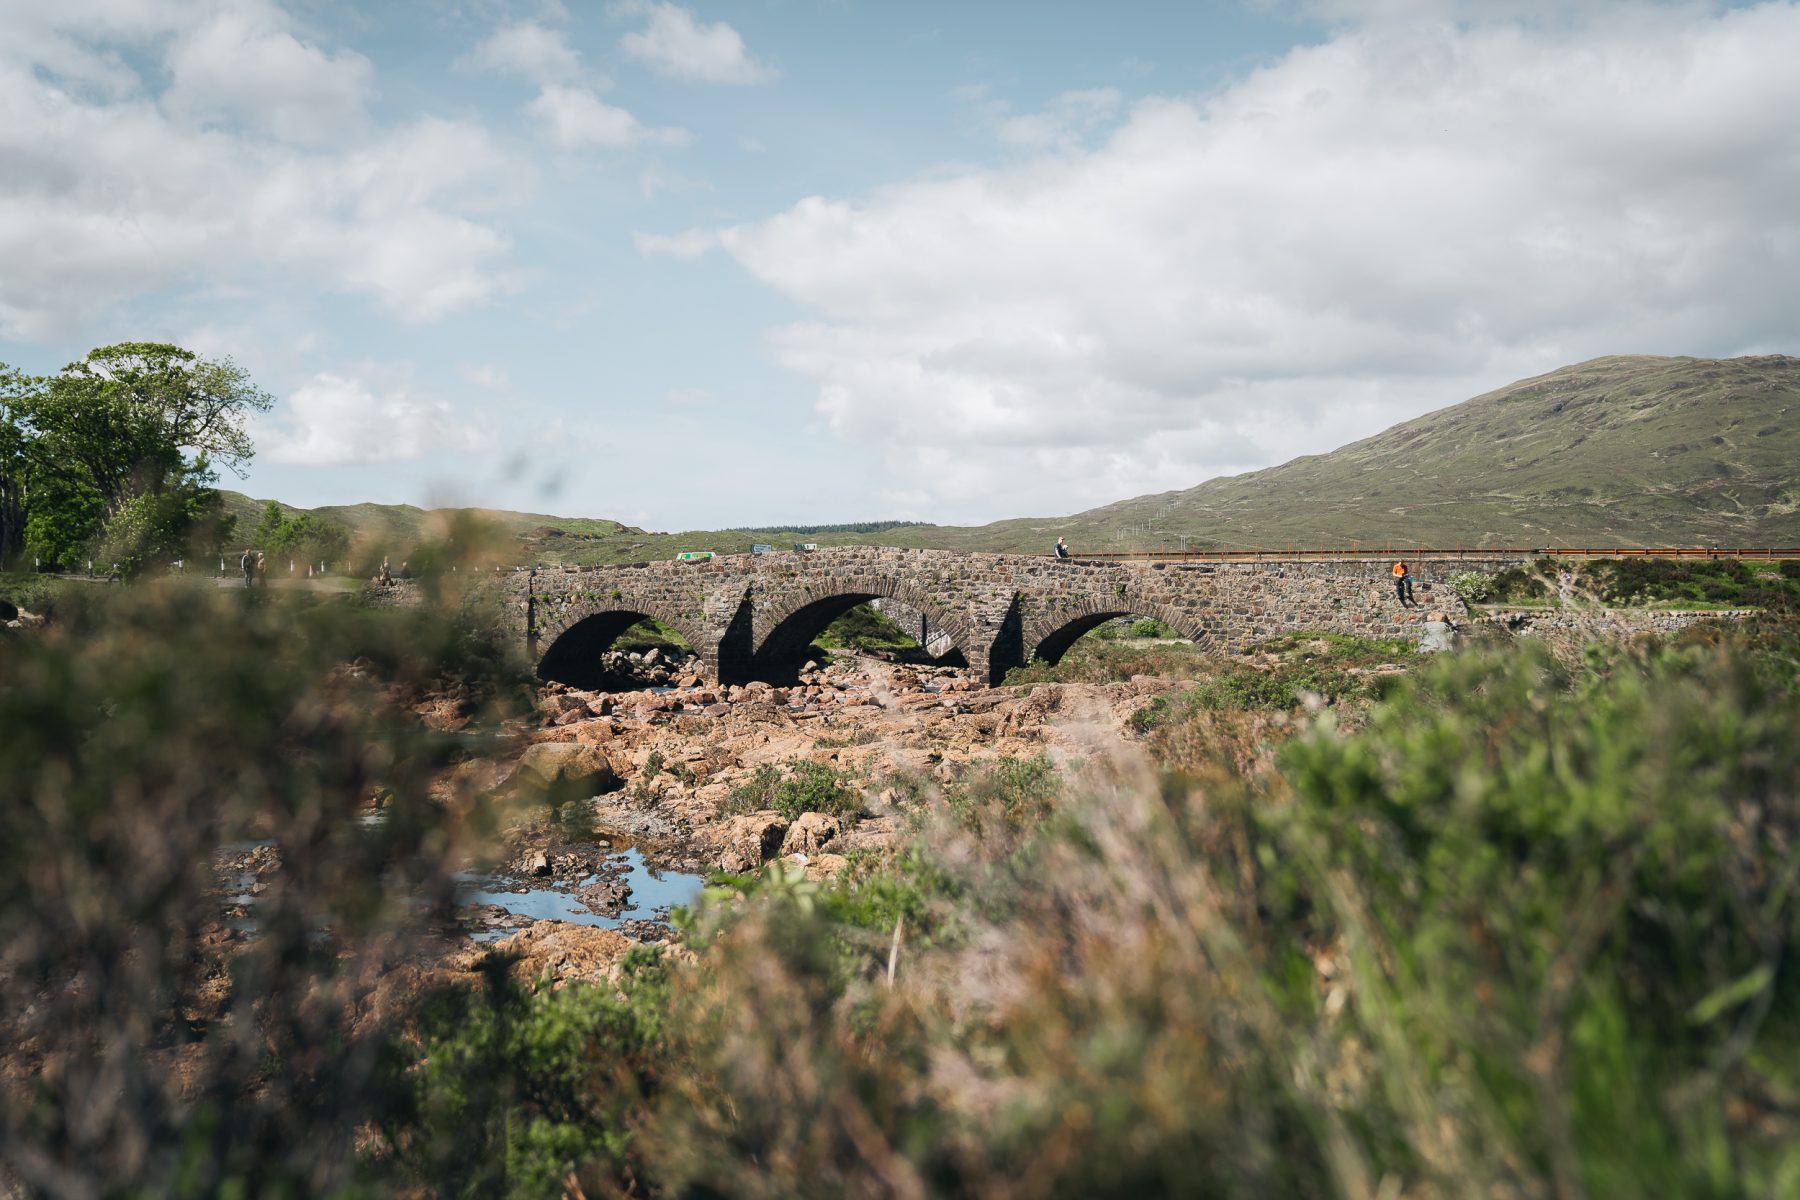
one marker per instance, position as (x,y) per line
(754,616)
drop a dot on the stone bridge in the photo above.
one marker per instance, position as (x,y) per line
(755,616)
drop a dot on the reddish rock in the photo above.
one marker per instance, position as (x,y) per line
(746,843)
(563,953)
(810,833)
(575,768)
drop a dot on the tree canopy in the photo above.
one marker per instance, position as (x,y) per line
(112,457)
(303,535)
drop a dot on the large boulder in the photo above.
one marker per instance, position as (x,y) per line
(569,770)
(565,953)
(810,833)
(826,867)
(746,843)
(1437,634)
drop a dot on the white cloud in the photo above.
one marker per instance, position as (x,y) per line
(673,42)
(569,116)
(486,376)
(1390,12)
(687,246)
(527,50)
(576,119)
(332,420)
(1392,220)
(243,65)
(110,190)
(1068,119)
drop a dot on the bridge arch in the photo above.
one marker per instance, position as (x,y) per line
(570,645)
(1050,634)
(784,632)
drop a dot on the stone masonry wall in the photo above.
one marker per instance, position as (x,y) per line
(752,614)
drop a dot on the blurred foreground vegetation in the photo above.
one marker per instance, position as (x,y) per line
(1505,927)
(1624,582)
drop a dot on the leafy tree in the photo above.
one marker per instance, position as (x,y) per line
(139,400)
(302,535)
(113,456)
(63,517)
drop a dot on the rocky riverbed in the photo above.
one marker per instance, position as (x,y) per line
(618,804)
(671,767)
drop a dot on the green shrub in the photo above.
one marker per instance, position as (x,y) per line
(1142,627)
(815,787)
(1099,660)
(1520,585)
(1009,794)
(801,787)
(34,593)
(1530,933)
(504,1091)
(1605,863)
(1473,586)
(755,793)
(1711,581)
(1279,688)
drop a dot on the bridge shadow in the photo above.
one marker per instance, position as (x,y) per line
(1053,646)
(577,656)
(794,641)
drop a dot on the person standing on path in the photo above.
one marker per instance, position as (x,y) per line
(1062,549)
(262,569)
(1403,585)
(248,563)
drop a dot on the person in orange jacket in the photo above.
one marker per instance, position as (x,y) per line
(1403,585)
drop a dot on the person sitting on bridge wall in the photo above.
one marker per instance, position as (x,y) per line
(1062,549)
(1403,585)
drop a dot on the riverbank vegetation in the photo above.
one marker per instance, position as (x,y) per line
(1626,582)
(1529,933)
(1346,921)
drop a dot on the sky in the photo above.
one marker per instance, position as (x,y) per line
(694,265)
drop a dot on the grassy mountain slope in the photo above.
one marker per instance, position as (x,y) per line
(1626,450)
(1619,451)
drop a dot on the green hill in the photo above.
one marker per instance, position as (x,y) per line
(1619,451)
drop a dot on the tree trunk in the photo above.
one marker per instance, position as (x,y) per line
(12,521)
